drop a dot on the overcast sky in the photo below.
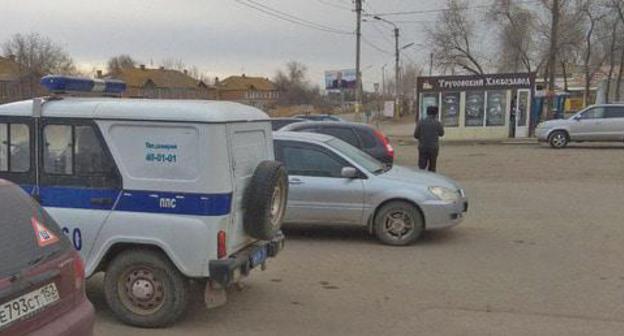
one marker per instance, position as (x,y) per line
(221,37)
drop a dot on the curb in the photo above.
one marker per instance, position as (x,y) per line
(402,140)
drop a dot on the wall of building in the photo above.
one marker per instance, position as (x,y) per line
(463,130)
(173,93)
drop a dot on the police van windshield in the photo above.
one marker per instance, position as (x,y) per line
(27,233)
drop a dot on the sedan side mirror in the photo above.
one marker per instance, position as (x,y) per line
(349,172)
(578,117)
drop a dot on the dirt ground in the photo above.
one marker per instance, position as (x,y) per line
(540,253)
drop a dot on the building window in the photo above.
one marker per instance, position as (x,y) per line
(14,148)
(474,108)
(450,109)
(428,99)
(496,108)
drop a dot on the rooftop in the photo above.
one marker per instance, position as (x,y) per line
(246,83)
(159,78)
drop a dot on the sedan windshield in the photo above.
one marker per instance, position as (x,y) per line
(361,158)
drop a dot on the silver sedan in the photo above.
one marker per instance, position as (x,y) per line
(334,182)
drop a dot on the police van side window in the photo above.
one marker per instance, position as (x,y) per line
(14,148)
(4,147)
(58,155)
(90,158)
(75,155)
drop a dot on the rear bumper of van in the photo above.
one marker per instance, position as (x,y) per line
(226,272)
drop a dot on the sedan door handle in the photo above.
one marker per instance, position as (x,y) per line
(102,201)
(295,181)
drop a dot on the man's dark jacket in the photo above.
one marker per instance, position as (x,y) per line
(428,131)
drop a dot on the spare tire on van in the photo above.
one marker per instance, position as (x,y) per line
(265,200)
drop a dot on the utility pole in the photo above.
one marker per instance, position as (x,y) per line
(397,108)
(383,80)
(552,57)
(358,75)
(430,64)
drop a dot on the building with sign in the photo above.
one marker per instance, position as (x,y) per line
(479,107)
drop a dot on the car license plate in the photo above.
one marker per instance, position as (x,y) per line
(258,257)
(27,304)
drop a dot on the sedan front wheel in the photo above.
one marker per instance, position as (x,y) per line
(398,223)
(558,139)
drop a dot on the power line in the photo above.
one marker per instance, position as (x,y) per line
(331,4)
(383,34)
(291,18)
(298,19)
(423,11)
(374,46)
(437,10)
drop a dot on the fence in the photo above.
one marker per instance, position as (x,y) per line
(19,90)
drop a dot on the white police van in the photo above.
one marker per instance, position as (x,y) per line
(155,193)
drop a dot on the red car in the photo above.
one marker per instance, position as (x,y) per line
(42,285)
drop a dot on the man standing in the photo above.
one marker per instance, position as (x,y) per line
(428,131)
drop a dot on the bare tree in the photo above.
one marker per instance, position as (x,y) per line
(118,63)
(294,87)
(39,55)
(592,61)
(518,46)
(618,6)
(452,39)
(611,50)
(408,79)
(173,63)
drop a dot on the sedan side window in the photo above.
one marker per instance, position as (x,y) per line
(614,112)
(595,113)
(310,160)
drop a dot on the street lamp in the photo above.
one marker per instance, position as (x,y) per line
(407,45)
(396,62)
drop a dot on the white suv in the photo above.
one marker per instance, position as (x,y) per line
(152,192)
(594,123)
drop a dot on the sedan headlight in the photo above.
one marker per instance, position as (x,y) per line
(445,194)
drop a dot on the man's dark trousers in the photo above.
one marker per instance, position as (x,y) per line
(428,158)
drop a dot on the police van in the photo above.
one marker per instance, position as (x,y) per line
(155,193)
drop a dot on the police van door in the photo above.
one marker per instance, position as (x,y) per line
(79,183)
(523,111)
(250,144)
(17,162)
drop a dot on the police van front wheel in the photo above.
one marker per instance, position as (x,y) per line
(143,288)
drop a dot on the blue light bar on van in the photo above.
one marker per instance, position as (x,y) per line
(77,84)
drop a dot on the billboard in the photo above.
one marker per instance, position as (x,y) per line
(340,79)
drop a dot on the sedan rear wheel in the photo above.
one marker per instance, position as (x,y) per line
(398,223)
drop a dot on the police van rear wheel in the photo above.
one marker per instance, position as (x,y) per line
(144,289)
(265,200)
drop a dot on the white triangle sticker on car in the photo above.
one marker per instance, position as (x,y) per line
(44,236)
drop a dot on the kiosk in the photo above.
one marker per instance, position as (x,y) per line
(492,106)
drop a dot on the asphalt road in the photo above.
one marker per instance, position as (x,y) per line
(540,253)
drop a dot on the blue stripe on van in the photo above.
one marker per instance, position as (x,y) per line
(136,201)
(176,203)
(75,197)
